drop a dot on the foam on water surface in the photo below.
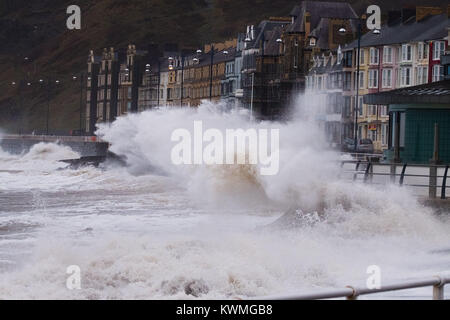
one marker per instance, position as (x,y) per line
(156,230)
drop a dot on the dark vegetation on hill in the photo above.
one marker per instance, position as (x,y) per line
(37,29)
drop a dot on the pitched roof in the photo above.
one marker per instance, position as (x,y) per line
(262,29)
(430,28)
(219,56)
(435,92)
(319,10)
(272,47)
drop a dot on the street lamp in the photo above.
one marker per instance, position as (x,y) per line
(342,30)
(81,100)
(210,72)
(41,81)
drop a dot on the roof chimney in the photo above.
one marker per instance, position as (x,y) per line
(422,12)
(307,23)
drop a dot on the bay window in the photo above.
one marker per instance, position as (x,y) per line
(387,55)
(438,49)
(438,73)
(406,53)
(374,56)
(421,75)
(387,78)
(406,76)
(373,78)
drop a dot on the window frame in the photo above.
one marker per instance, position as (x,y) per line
(385,49)
(407,52)
(383,80)
(374,56)
(373,79)
(403,76)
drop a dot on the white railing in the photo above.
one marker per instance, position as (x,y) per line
(352,293)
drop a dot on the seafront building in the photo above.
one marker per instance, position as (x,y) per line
(263,68)
(419,118)
(406,52)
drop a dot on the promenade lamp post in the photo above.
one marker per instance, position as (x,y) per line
(75,78)
(48,83)
(356,109)
(211,73)
(182,78)
(280,43)
(148,82)
(210,69)
(248,40)
(19,100)
(171,67)
(228,91)
(159,81)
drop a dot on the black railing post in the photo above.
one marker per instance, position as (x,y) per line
(356,170)
(402,176)
(444,183)
(366,174)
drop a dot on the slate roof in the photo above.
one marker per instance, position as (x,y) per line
(430,28)
(435,92)
(219,56)
(319,10)
(331,66)
(264,27)
(272,46)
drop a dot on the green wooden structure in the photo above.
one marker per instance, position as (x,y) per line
(414,113)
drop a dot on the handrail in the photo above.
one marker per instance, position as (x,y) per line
(352,292)
(387,164)
(364,171)
(45,138)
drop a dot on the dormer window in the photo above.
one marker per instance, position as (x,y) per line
(312,42)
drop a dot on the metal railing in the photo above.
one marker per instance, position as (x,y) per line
(352,293)
(364,170)
(46,138)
